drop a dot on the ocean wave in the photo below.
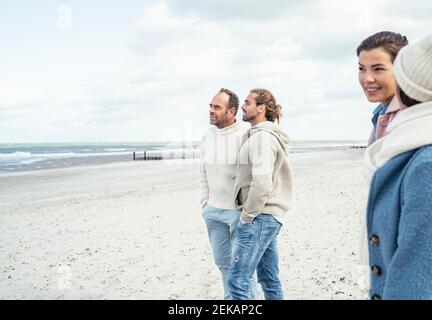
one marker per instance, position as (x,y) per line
(23,158)
(15,155)
(116,149)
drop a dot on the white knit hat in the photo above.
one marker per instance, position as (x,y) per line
(413,70)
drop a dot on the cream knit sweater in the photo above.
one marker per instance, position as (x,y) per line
(219,150)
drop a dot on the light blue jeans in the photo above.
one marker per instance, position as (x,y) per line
(221,225)
(255,248)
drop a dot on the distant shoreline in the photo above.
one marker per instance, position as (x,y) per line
(52,164)
(67,162)
(63,156)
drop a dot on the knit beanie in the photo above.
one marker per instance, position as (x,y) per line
(413,70)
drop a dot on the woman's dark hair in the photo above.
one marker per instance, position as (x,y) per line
(407,101)
(391,42)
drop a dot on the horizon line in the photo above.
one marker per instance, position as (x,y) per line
(162,142)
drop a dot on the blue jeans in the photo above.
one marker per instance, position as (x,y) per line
(221,225)
(255,248)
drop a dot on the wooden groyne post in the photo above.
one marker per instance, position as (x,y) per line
(136,157)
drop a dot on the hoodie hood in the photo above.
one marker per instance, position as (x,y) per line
(274,129)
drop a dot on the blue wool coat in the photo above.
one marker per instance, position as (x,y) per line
(399,225)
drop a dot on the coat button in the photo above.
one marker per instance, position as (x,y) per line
(376,297)
(376,270)
(374,240)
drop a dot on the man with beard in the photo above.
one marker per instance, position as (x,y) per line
(220,148)
(263,192)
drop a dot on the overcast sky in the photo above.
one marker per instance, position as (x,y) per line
(111,71)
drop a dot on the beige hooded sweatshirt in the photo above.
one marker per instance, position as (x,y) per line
(263,174)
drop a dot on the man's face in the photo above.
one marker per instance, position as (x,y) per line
(219,110)
(250,108)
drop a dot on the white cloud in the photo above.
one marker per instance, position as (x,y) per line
(182,52)
(222,10)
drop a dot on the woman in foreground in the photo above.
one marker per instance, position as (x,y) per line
(399,213)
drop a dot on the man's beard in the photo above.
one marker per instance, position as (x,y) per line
(221,122)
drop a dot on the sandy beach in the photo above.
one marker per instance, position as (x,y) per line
(133,230)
